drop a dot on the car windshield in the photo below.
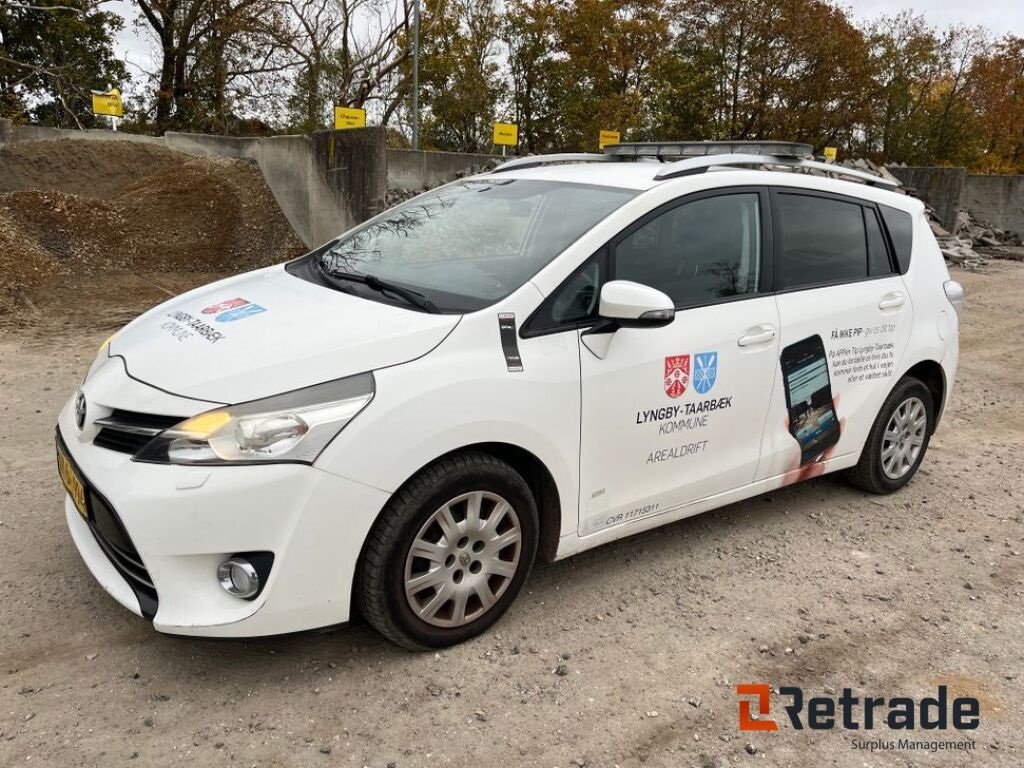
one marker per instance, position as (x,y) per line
(470,244)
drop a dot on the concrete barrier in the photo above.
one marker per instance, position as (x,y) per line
(415,170)
(941,188)
(997,200)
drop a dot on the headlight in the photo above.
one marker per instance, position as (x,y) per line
(295,426)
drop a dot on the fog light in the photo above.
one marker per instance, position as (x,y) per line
(238,577)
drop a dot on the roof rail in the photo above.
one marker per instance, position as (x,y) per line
(533,161)
(663,150)
(695,165)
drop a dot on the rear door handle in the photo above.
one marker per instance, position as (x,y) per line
(759,334)
(893,300)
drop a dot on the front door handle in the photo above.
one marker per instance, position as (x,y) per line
(759,334)
(893,300)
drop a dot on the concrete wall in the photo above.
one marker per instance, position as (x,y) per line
(414,170)
(998,200)
(941,188)
(316,207)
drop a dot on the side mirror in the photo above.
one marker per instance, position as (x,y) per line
(625,304)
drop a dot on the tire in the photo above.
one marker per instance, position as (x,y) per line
(882,471)
(416,601)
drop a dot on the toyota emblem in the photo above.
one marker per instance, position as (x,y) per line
(80,409)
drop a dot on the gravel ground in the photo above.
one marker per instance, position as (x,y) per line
(627,655)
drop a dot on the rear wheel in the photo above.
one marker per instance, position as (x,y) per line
(898,439)
(449,552)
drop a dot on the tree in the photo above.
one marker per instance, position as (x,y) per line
(347,52)
(997,92)
(793,69)
(610,50)
(460,81)
(52,54)
(205,47)
(536,75)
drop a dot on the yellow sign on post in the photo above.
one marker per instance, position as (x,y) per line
(608,137)
(506,134)
(107,103)
(349,117)
(830,154)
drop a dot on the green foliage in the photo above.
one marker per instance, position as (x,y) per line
(51,58)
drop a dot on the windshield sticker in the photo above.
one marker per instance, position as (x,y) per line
(240,313)
(677,375)
(509,343)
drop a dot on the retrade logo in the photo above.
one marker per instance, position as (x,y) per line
(854,713)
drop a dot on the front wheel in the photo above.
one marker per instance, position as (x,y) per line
(898,439)
(449,552)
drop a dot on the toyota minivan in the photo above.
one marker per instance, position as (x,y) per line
(522,364)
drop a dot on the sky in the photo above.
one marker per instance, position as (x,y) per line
(1000,16)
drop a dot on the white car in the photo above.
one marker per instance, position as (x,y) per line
(526,363)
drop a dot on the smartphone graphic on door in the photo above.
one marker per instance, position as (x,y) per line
(812,415)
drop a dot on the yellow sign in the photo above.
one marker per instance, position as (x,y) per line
(104,103)
(830,154)
(608,137)
(349,117)
(506,134)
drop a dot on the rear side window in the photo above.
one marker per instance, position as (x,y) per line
(901,232)
(823,241)
(878,253)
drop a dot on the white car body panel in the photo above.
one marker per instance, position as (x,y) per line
(442,383)
(304,336)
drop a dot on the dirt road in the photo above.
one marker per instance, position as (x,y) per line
(818,585)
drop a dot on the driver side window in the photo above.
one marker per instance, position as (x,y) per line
(697,252)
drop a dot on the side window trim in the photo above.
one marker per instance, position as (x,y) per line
(774,194)
(606,255)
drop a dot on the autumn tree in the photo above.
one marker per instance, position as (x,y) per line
(536,73)
(206,48)
(997,92)
(793,69)
(460,80)
(52,54)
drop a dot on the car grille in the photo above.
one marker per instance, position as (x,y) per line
(128,431)
(113,539)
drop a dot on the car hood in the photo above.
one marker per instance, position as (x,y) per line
(267,332)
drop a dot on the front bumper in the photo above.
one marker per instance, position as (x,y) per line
(184,521)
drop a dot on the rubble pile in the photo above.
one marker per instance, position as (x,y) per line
(958,246)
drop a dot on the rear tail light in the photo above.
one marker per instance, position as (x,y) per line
(955,294)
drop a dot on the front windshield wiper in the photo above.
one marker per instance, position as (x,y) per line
(372,282)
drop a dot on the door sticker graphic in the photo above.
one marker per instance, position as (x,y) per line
(812,414)
(677,375)
(705,371)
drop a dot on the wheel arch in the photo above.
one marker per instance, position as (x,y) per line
(537,476)
(934,377)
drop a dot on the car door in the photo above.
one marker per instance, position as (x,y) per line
(674,414)
(845,316)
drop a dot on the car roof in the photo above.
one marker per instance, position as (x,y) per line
(640,175)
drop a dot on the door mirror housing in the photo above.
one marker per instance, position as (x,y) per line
(625,304)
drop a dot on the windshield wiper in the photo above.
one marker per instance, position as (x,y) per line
(374,283)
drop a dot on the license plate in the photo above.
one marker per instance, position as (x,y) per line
(72,482)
